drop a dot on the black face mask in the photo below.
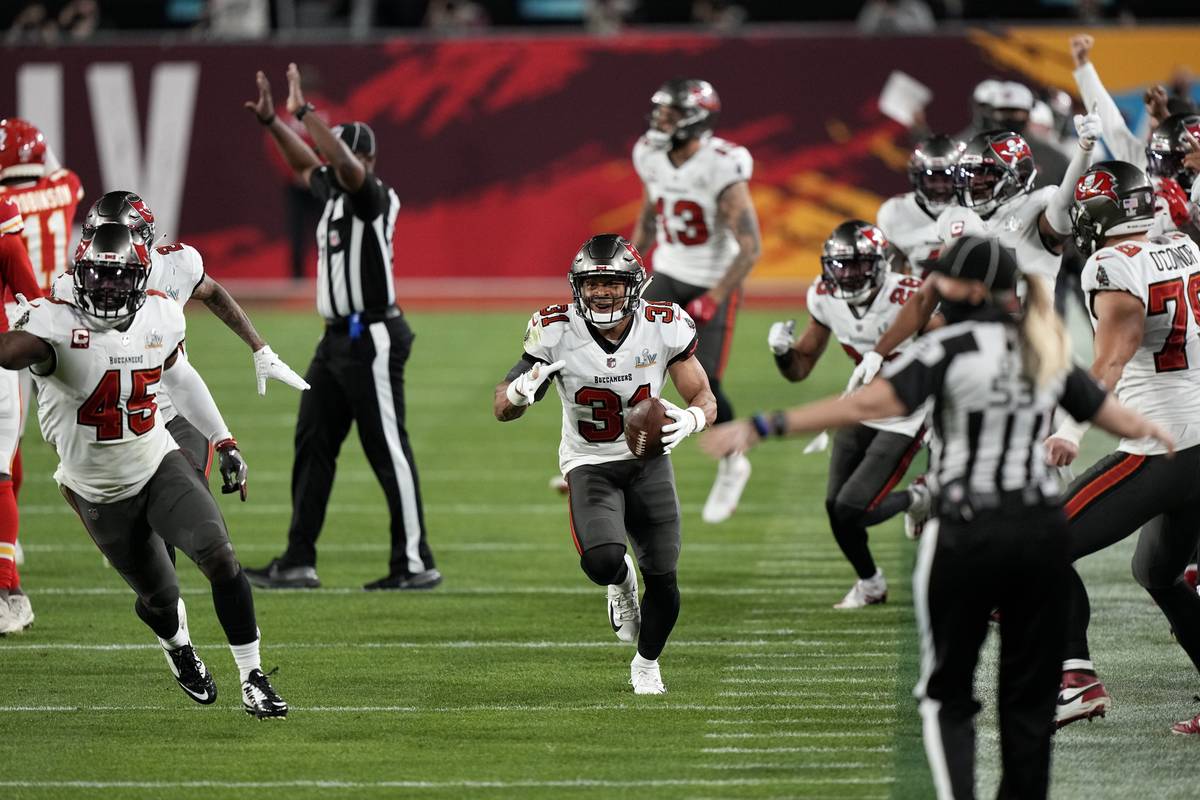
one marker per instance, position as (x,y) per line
(960,311)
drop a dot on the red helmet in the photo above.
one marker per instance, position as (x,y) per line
(22,150)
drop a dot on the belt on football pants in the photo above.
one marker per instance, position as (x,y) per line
(348,324)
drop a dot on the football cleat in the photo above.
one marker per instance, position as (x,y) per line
(1081,696)
(733,472)
(10,622)
(260,699)
(20,606)
(278,575)
(193,677)
(1189,727)
(646,678)
(918,510)
(870,592)
(1191,576)
(624,613)
(428,579)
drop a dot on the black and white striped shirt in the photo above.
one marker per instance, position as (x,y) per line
(989,420)
(354,245)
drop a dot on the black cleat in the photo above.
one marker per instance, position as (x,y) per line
(259,697)
(406,582)
(278,575)
(193,677)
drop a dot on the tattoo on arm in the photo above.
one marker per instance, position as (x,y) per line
(226,309)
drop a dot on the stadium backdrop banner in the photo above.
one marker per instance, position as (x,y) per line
(507,153)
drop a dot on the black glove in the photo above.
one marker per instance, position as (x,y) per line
(232,466)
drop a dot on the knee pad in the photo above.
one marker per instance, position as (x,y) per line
(603,563)
(219,563)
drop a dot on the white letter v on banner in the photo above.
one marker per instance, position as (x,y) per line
(159,176)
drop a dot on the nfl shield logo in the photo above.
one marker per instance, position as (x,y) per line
(612,362)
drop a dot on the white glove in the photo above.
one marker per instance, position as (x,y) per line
(1089,129)
(269,365)
(687,421)
(779,338)
(819,444)
(524,388)
(866,370)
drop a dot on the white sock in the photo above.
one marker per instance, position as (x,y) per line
(246,657)
(638,661)
(1073,664)
(181,637)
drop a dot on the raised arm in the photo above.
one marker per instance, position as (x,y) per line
(299,156)
(349,170)
(1124,145)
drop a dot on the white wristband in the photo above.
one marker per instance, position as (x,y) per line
(515,397)
(1072,431)
(699,415)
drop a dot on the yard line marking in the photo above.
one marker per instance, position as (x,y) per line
(497,707)
(790,668)
(799,735)
(382,546)
(798,721)
(882,748)
(748,656)
(581,783)
(847,765)
(706,591)
(452,645)
(769,681)
(884,703)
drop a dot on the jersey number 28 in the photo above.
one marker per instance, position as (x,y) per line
(102,409)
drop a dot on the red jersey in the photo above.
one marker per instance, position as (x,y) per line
(48,207)
(16,273)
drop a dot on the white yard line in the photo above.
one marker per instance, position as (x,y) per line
(468,644)
(583,589)
(579,783)
(652,705)
(798,721)
(774,681)
(800,749)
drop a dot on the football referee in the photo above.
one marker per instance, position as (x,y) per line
(357,373)
(998,538)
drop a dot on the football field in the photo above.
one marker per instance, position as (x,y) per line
(507,681)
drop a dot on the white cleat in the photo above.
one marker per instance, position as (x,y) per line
(10,622)
(733,472)
(919,509)
(624,613)
(645,677)
(870,592)
(19,556)
(20,606)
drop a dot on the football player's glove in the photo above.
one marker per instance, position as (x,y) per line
(233,467)
(702,309)
(1174,200)
(523,390)
(686,422)
(1089,129)
(866,370)
(268,365)
(779,338)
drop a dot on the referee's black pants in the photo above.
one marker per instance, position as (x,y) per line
(1119,494)
(357,379)
(1015,561)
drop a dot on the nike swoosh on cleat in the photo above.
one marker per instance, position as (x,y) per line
(1062,701)
(613,620)
(201,696)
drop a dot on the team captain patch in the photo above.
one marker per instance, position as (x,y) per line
(81,338)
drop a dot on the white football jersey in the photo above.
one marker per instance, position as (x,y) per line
(98,407)
(1162,380)
(858,328)
(175,270)
(1015,224)
(602,378)
(692,246)
(911,229)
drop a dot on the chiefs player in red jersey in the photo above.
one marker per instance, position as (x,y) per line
(16,276)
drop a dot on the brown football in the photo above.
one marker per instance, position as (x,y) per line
(643,428)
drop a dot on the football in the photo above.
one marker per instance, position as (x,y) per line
(643,428)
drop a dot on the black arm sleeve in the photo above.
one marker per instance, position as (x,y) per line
(1081,395)
(321,182)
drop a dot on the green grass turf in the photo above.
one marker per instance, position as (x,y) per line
(506,681)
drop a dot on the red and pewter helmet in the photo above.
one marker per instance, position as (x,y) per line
(698,108)
(120,208)
(612,257)
(931,169)
(854,260)
(1113,198)
(111,273)
(994,167)
(22,150)
(1169,144)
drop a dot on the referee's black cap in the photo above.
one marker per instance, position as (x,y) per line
(358,136)
(980,259)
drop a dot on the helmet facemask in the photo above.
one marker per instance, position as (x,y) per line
(935,188)
(604,299)
(111,274)
(852,277)
(983,187)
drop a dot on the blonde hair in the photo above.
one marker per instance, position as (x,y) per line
(1045,345)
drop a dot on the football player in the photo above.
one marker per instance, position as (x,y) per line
(994,179)
(696,206)
(16,276)
(1142,294)
(98,364)
(855,299)
(909,220)
(607,351)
